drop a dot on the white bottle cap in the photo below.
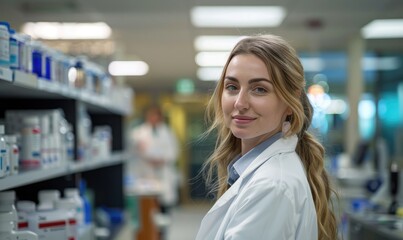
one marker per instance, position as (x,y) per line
(2,131)
(25,206)
(48,195)
(7,196)
(65,203)
(31,120)
(71,192)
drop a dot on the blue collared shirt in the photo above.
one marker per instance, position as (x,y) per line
(240,163)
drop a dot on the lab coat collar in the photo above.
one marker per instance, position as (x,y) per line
(282,145)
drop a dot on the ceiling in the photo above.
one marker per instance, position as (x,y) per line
(160,32)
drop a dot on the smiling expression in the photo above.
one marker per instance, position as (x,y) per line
(251,108)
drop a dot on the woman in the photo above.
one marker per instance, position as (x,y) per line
(157,148)
(271,179)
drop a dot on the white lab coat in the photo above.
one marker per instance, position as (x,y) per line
(160,143)
(271,200)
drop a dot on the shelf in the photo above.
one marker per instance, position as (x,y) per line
(87,165)
(24,85)
(33,176)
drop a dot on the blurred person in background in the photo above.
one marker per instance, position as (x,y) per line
(270,174)
(157,149)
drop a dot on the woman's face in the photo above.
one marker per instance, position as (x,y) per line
(252,110)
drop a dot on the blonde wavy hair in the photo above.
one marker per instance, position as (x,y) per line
(286,72)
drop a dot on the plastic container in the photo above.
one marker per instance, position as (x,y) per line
(7,231)
(3,153)
(30,143)
(37,59)
(25,47)
(86,201)
(48,224)
(7,199)
(80,79)
(83,134)
(24,210)
(4,44)
(14,50)
(46,154)
(74,195)
(13,153)
(69,143)
(47,199)
(68,206)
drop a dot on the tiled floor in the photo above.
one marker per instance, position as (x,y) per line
(186,221)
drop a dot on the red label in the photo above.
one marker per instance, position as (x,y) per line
(36,131)
(72,221)
(52,224)
(22,225)
(30,162)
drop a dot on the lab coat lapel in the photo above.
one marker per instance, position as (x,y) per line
(227,197)
(212,221)
(280,146)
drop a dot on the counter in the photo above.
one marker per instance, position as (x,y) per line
(374,227)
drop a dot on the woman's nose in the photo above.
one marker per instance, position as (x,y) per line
(242,101)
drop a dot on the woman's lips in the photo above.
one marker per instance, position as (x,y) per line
(242,119)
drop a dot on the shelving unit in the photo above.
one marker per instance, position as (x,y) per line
(34,176)
(104,177)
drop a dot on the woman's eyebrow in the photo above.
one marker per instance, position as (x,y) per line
(253,80)
(231,78)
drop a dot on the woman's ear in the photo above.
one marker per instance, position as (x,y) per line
(288,112)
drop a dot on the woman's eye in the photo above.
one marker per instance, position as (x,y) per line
(230,88)
(260,90)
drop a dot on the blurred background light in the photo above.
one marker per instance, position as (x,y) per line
(216,43)
(313,64)
(209,73)
(211,59)
(237,16)
(128,68)
(64,30)
(383,28)
(380,63)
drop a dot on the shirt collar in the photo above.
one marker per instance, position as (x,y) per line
(241,163)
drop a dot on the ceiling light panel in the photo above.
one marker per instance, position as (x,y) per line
(59,30)
(209,73)
(237,16)
(128,68)
(216,43)
(383,28)
(211,59)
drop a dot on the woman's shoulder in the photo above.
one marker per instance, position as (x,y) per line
(285,170)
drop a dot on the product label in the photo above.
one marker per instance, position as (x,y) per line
(22,225)
(31,148)
(51,230)
(4,47)
(14,158)
(3,161)
(14,61)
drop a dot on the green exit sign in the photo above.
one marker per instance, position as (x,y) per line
(185,86)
